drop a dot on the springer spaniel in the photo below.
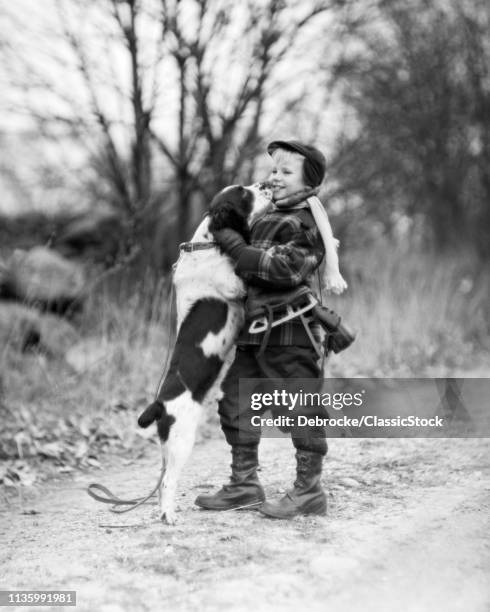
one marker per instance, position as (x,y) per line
(210,314)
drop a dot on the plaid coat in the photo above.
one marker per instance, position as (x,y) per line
(285,250)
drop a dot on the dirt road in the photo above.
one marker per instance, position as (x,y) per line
(407,529)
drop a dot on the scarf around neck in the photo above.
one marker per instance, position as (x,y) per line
(332,278)
(296,198)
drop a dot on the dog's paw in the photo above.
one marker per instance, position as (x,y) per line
(169,517)
(150,414)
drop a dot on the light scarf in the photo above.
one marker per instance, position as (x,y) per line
(332,278)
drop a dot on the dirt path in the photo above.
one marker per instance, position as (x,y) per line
(407,529)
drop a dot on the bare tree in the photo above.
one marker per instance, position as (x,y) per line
(416,78)
(128,169)
(475,20)
(226,64)
(79,94)
(164,94)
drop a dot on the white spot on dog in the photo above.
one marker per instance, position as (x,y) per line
(219,344)
(176,449)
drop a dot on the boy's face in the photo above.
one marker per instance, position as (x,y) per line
(286,174)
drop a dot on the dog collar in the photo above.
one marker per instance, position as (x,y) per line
(189,247)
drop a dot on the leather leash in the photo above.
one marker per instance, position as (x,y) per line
(110,498)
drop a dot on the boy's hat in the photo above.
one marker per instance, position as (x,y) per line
(315,164)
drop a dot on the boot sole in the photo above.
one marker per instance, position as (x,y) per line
(248,506)
(316,509)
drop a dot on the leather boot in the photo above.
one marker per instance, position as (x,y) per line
(244,489)
(306,496)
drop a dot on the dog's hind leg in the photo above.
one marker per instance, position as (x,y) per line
(185,415)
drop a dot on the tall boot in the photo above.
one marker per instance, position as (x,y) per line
(306,496)
(244,489)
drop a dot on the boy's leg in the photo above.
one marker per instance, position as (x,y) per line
(235,419)
(288,363)
(307,495)
(244,488)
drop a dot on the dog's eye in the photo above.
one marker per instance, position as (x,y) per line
(245,193)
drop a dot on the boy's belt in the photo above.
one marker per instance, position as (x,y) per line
(276,308)
(283,306)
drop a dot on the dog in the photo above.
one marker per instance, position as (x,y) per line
(210,314)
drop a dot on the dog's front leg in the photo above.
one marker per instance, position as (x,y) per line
(176,450)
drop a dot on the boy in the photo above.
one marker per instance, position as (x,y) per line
(287,245)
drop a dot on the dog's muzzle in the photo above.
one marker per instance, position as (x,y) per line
(264,185)
(263,188)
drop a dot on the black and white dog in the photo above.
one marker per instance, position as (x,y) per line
(209,297)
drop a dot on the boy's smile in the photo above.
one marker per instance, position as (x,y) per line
(286,174)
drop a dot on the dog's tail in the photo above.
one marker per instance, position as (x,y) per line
(152,413)
(157,412)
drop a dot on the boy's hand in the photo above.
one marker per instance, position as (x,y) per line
(231,242)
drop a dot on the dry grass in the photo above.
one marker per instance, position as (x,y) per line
(416,315)
(52,412)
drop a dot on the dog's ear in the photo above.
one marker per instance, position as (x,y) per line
(226,215)
(220,215)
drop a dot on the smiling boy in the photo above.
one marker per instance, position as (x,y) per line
(285,250)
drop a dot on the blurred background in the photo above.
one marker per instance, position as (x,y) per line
(119,121)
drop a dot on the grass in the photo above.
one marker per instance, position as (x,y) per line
(416,315)
(59,418)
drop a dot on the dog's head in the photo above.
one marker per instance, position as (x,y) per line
(236,207)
